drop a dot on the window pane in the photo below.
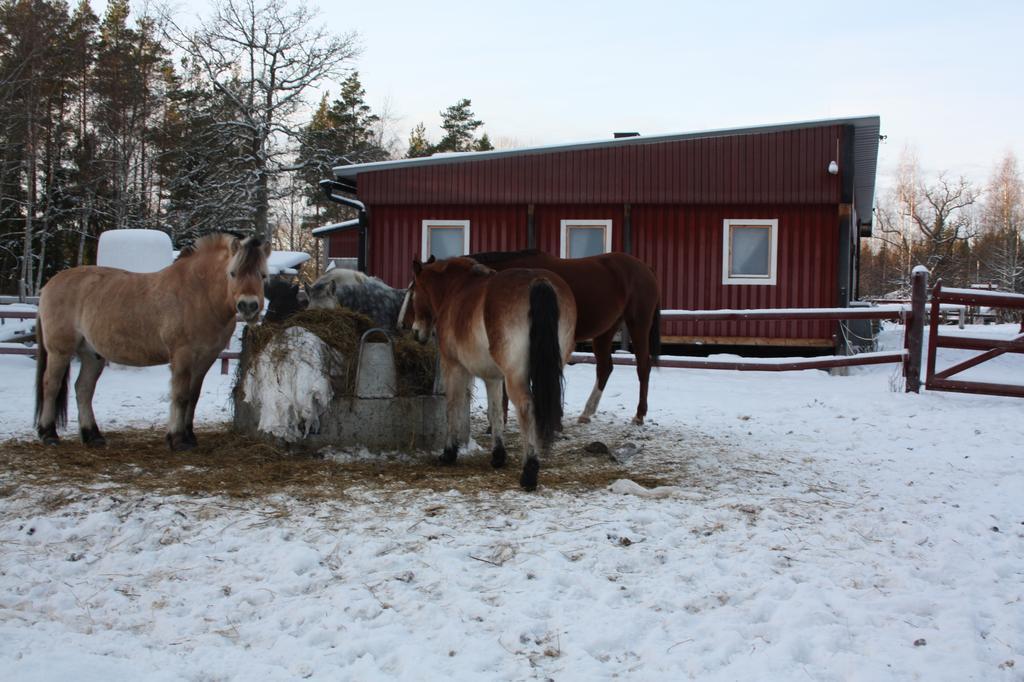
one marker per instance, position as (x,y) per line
(750,251)
(585,241)
(446,242)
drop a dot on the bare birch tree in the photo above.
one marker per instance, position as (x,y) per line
(1000,249)
(263,59)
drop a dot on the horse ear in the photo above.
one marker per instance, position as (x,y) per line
(417,267)
(479,269)
(235,243)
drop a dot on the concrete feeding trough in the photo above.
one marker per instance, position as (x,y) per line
(299,390)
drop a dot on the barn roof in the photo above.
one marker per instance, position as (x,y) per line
(327,230)
(865,153)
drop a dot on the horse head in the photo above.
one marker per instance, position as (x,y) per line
(247,268)
(283,299)
(324,293)
(419,310)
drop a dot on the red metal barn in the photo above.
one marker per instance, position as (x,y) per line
(762,217)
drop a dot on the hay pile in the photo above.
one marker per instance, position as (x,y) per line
(237,466)
(341,329)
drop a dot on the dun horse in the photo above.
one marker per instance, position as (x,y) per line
(359,292)
(183,315)
(514,327)
(610,289)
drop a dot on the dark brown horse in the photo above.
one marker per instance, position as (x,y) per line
(610,289)
(514,327)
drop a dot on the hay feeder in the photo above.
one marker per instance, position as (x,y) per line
(307,388)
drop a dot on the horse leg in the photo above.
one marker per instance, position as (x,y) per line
(603,354)
(504,409)
(55,377)
(504,402)
(456,385)
(195,388)
(181,377)
(495,392)
(519,394)
(642,351)
(85,387)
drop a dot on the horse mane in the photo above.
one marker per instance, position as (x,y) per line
(249,256)
(339,274)
(214,239)
(488,257)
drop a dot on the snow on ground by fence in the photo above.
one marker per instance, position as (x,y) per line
(817,527)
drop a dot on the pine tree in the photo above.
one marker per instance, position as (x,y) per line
(419,145)
(483,144)
(459,127)
(85,173)
(342,133)
(209,176)
(34,79)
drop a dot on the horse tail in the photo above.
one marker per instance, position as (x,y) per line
(654,340)
(546,378)
(61,411)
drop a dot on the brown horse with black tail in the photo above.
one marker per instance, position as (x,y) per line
(514,327)
(610,290)
(183,315)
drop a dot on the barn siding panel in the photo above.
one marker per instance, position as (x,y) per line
(684,246)
(717,171)
(343,244)
(396,234)
(548,222)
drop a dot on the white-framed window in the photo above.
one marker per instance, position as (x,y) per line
(582,238)
(445,238)
(750,252)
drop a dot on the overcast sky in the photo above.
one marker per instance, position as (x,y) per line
(945,77)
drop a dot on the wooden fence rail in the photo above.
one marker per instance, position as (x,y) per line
(910,357)
(18,349)
(992,348)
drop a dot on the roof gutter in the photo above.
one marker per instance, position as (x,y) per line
(332,189)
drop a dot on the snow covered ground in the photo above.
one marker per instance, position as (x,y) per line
(816,527)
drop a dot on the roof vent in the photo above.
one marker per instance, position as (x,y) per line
(618,135)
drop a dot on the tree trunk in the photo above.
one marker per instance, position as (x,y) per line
(25,284)
(42,260)
(262,224)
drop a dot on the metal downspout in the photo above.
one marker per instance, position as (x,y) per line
(329,187)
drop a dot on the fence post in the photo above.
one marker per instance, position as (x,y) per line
(914,331)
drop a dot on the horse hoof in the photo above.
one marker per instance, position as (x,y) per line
(498,457)
(528,479)
(584,419)
(638,421)
(178,443)
(92,438)
(448,457)
(48,435)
